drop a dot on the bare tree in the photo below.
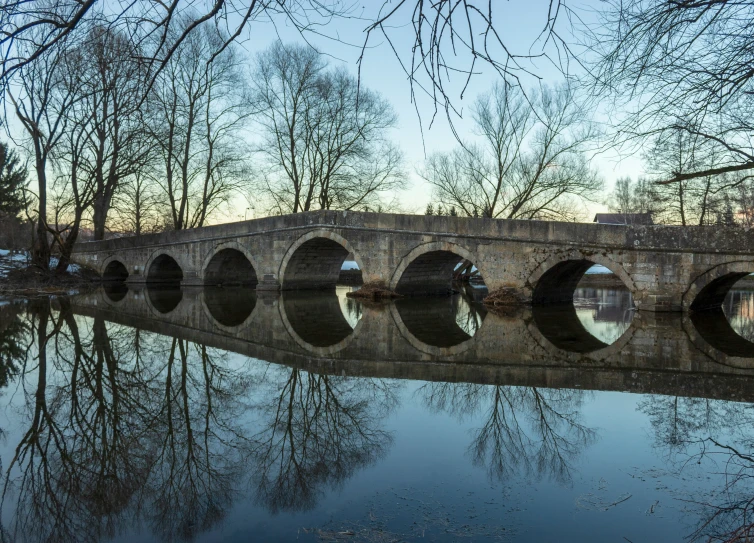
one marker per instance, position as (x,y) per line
(116,146)
(40,102)
(665,61)
(695,200)
(528,161)
(640,196)
(198,108)
(450,37)
(136,206)
(325,140)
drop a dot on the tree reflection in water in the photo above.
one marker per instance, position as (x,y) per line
(14,334)
(123,428)
(525,431)
(129,428)
(316,431)
(720,435)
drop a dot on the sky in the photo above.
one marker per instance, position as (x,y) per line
(519,23)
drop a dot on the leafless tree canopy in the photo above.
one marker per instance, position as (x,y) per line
(196,113)
(325,141)
(528,160)
(682,66)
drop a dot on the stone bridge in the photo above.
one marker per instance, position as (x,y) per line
(537,347)
(666,268)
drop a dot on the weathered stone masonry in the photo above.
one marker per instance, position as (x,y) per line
(667,268)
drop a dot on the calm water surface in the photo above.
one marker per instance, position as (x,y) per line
(223,415)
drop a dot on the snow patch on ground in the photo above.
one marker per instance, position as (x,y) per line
(10,261)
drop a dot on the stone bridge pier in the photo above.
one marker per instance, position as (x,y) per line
(667,268)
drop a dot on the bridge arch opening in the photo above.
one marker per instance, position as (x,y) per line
(115,271)
(581,305)
(712,295)
(722,308)
(559,283)
(438,272)
(230,267)
(164,269)
(315,264)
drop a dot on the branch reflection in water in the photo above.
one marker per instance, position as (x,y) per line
(117,430)
(697,436)
(129,427)
(525,431)
(124,427)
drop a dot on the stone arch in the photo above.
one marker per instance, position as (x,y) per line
(230,263)
(162,267)
(555,280)
(114,270)
(709,289)
(428,268)
(314,261)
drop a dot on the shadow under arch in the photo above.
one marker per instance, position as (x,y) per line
(231,307)
(316,322)
(115,272)
(708,290)
(314,261)
(428,269)
(164,269)
(711,332)
(230,264)
(561,326)
(432,326)
(164,276)
(556,279)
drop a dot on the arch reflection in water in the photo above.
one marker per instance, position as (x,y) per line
(597,318)
(164,297)
(317,318)
(442,322)
(729,328)
(230,306)
(116,291)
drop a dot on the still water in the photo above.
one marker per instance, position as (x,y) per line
(223,415)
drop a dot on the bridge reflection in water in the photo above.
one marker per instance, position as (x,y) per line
(599,342)
(144,385)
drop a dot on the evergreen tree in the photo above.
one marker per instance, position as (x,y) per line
(12,180)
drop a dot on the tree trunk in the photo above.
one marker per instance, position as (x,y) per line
(66,247)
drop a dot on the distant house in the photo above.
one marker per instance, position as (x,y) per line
(623,218)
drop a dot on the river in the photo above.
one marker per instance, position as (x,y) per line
(206,415)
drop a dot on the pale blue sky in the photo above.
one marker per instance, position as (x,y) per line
(519,24)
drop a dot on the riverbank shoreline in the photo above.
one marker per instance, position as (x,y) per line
(31,281)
